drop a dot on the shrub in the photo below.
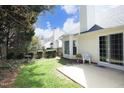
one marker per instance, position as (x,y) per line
(5,66)
(78,56)
(11,55)
(39,55)
(51,54)
(20,56)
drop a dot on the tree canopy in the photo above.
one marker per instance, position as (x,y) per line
(16,25)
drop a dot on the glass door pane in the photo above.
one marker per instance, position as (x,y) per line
(103,46)
(116,49)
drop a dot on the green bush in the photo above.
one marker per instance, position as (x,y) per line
(78,56)
(51,54)
(20,56)
(39,55)
(5,65)
(11,55)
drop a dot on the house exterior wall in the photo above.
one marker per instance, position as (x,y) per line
(69,38)
(65,38)
(91,14)
(87,17)
(89,42)
(111,17)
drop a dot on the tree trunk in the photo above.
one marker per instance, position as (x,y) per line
(1,51)
(7,46)
(7,42)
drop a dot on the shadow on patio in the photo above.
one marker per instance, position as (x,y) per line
(65,61)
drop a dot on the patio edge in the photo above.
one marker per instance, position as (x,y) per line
(70,78)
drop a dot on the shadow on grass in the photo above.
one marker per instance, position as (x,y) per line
(42,74)
(28,77)
(65,61)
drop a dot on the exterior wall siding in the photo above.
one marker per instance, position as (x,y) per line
(69,38)
(89,42)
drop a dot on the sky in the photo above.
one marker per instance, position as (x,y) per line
(64,18)
(57,17)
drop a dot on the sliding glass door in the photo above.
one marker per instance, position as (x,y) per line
(111,48)
(116,49)
(103,44)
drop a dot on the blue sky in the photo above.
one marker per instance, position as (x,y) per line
(55,19)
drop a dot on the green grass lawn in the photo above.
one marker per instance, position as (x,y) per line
(43,74)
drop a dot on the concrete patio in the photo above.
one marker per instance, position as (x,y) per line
(93,76)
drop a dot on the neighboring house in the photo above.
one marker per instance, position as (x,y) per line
(100,35)
(54,41)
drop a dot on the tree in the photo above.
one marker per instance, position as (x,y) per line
(34,44)
(16,25)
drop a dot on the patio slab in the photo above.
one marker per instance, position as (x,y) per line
(93,76)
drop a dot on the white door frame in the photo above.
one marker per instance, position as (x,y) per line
(123,48)
(113,65)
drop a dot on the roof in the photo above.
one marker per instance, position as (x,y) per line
(94,28)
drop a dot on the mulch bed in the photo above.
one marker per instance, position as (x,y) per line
(8,78)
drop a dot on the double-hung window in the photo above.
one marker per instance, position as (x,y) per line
(66,47)
(74,47)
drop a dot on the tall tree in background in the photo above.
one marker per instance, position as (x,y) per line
(16,25)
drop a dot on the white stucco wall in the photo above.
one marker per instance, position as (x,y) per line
(69,38)
(89,42)
(87,17)
(110,17)
(65,38)
(83,18)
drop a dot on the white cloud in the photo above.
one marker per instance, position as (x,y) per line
(48,25)
(70,9)
(45,33)
(48,33)
(113,6)
(71,27)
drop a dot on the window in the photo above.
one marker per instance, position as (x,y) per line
(103,48)
(74,48)
(66,47)
(116,48)
(111,48)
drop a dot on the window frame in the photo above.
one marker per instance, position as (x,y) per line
(66,47)
(74,46)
